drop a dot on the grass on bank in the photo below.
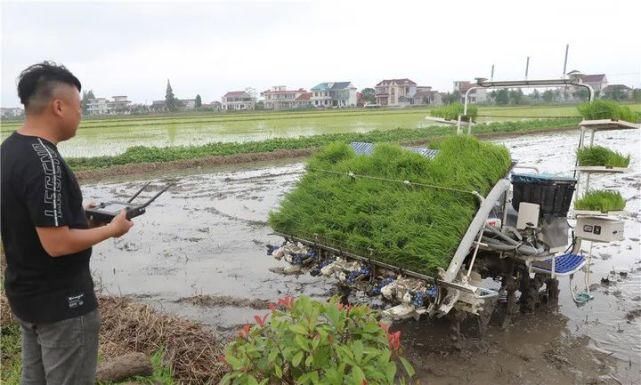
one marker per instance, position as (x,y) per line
(601,156)
(139,154)
(410,226)
(10,346)
(601,200)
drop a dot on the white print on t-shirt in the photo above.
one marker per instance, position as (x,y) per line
(76,301)
(51,167)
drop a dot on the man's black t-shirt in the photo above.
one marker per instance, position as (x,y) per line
(39,190)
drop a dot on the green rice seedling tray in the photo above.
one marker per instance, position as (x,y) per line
(394,206)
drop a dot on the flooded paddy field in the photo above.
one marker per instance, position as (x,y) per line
(113,135)
(199,252)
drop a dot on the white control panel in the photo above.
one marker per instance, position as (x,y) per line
(599,229)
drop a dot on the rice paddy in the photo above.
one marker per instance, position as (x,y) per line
(409,225)
(114,135)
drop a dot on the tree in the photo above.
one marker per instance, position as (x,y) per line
(199,102)
(614,93)
(636,94)
(502,97)
(516,96)
(536,95)
(86,97)
(548,96)
(582,94)
(369,95)
(170,100)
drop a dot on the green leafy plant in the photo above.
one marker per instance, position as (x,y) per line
(452,112)
(601,200)
(607,109)
(304,341)
(415,226)
(601,156)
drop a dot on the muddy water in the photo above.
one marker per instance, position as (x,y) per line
(207,235)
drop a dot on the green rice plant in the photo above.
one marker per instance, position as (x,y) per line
(452,112)
(414,226)
(607,109)
(601,200)
(601,156)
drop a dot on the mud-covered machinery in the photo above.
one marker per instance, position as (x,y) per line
(515,248)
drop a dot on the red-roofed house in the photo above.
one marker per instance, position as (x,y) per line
(238,100)
(395,92)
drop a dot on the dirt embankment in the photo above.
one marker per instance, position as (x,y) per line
(210,161)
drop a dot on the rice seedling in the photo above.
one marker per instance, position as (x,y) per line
(607,109)
(411,226)
(601,200)
(601,156)
(452,112)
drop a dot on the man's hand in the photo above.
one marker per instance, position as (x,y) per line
(92,223)
(120,225)
(60,241)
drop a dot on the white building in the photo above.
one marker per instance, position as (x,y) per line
(280,98)
(334,94)
(238,101)
(10,113)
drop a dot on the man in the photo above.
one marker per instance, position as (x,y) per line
(46,236)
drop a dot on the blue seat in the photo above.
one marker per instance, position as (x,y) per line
(565,264)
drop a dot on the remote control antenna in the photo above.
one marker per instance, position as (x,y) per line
(138,193)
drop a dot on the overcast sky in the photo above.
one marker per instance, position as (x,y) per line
(208,48)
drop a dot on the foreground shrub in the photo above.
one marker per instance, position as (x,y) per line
(601,200)
(304,341)
(601,156)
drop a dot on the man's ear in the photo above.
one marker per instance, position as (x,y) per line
(56,107)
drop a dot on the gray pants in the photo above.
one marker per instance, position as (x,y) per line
(61,353)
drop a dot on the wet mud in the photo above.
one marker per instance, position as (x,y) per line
(199,252)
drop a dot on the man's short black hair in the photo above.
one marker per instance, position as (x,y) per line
(36,83)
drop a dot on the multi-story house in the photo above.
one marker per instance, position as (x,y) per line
(104,106)
(478,95)
(238,101)
(98,106)
(11,112)
(395,92)
(334,94)
(119,105)
(187,104)
(280,98)
(597,81)
(425,95)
